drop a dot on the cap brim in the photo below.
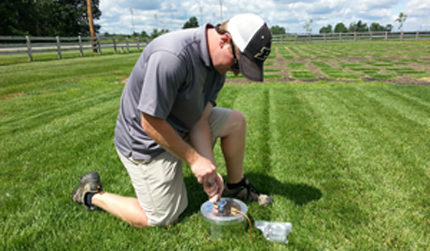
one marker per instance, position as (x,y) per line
(250,69)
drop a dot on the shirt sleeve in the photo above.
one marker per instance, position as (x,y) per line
(164,75)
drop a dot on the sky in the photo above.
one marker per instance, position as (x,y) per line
(126,16)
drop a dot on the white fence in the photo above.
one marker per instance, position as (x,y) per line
(352,37)
(10,45)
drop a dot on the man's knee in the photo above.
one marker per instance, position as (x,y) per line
(238,119)
(163,222)
(142,222)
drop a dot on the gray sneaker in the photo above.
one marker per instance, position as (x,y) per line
(89,182)
(248,192)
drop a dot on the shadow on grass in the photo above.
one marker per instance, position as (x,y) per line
(300,194)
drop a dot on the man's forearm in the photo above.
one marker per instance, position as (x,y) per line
(201,140)
(164,134)
(201,137)
(203,166)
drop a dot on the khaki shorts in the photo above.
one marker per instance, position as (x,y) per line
(159,182)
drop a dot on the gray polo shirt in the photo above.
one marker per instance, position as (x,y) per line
(173,79)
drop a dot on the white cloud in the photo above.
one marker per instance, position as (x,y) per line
(172,14)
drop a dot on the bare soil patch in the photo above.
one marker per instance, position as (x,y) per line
(281,63)
(11,95)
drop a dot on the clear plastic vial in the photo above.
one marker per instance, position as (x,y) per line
(216,232)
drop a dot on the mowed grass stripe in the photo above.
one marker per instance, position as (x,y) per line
(314,171)
(40,75)
(44,166)
(386,179)
(411,108)
(389,129)
(57,139)
(255,103)
(257,157)
(48,107)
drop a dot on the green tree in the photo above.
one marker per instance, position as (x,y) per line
(389,27)
(47,17)
(143,34)
(191,23)
(17,17)
(378,27)
(71,17)
(401,19)
(358,27)
(340,28)
(326,29)
(155,33)
(307,26)
(277,30)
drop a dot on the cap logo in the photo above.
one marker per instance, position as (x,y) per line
(263,54)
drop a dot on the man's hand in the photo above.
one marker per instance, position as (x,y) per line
(204,170)
(214,190)
(205,173)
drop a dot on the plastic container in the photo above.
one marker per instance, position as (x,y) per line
(219,219)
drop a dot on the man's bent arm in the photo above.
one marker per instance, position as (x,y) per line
(164,134)
(200,135)
(201,139)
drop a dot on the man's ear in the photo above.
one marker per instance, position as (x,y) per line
(225,39)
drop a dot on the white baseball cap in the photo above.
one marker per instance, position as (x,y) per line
(253,38)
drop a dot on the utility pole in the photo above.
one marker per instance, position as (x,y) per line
(90,18)
(156,20)
(220,7)
(132,19)
(201,16)
(91,23)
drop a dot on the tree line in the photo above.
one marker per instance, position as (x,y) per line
(355,27)
(47,17)
(362,27)
(341,28)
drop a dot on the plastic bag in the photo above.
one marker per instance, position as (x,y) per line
(275,231)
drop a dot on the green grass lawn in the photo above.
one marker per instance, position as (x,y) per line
(302,74)
(348,164)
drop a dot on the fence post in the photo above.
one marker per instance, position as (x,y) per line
(386,35)
(58,47)
(340,36)
(417,36)
(325,37)
(80,46)
(370,36)
(114,45)
(295,39)
(138,48)
(126,44)
(355,36)
(30,55)
(99,45)
(401,36)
